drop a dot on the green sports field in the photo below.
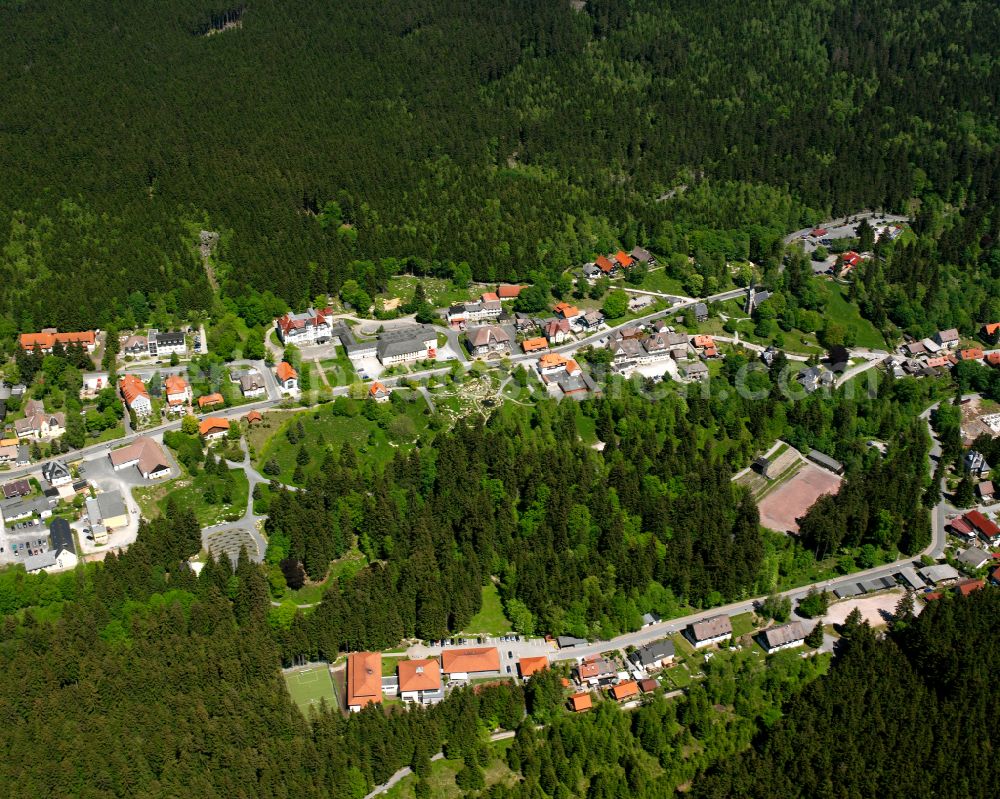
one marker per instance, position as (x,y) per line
(309,685)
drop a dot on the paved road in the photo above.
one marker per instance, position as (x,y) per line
(869,362)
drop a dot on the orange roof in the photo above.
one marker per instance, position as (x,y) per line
(213,423)
(625,690)
(604,264)
(175,384)
(971,354)
(703,341)
(419,675)
(565,310)
(565,682)
(572,366)
(991,328)
(550,360)
(490,296)
(364,678)
(46,340)
(993,358)
(934,363)
(506,291)
(285,371)
(132,387)
(468,661)
(210,399)
(534,344)
(529,666)
(254,416)
(581,702)
(966,587)
(623,259)
(377,388)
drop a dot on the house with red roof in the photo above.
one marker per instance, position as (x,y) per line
(985,529)
(580,702)
(966,587)
(623,259)
(49,337)
(210,401)
(508,291)
(288,378)
(971,354)
(604,264)
(213,427)
(378,392)
(364,680)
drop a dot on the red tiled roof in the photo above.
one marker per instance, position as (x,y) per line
(971,354)
(212,424)
(377,388)
(419,675)
(991,328)
(551,360)
(490,296)
(622,258)
(966,587)
(993,358)
(507,291)
(534,344)
(982,524)
(46,340)
(254,416)
(470,661)
(625,690)
(604,264)
(581,702)
(932,596)
(364,678)
(132,387)
(648,686)
(960,525)
(210,399)
(285,371)
(529,666)
(566,311)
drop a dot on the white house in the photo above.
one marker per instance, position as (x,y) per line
(709,631)
(785,636)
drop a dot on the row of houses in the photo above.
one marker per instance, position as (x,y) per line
(49,337)
(616,262)
(155,344)
(974,524)
(422,681)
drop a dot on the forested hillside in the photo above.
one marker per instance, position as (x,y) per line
(356,139)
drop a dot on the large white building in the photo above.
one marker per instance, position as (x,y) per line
(311,327)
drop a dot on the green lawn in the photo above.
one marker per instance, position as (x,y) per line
(440,292)
(331,426)
(190,493)
(442,776)
(742,624)
(839,309)
(658,280)
(311,593)
(307,687)
(490,619)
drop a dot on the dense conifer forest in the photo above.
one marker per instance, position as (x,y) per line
(328,141)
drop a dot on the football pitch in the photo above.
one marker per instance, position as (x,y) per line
(309,685)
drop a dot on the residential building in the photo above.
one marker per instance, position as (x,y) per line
(654,655)
(948,339)
(985,491)
(814,378)
(595,671)
(213,427)
(701,312)
(605,265)
(784,636)
(939,573)
(566,311)
(532,345)
(420,681)
(378,392)
(986,529)
(252,384)
(135,346)
(974,557)
(40,425)
(649,619)
(19,508)
(591,270)
(17,488)
(976,465)
(642,255)
(713,630)
(557,331)
(8,453)
(625,690)
(626,352)
(459,664)
(171,342)
(177,391)
(695,370)
(364,680)
(255,417)
(288,378)
(136,397)
(210,401)
(410,343)
(531,665)
(590,320)
(486,308)
(508,291)
(552,362)
(991,329)
(486,340)
(971,354)
(310,327)
(143,453)
(623,259)
(57,473)
(49,337)
(648,685)
(580,702)
(966,587)
(821,459)
(113,512)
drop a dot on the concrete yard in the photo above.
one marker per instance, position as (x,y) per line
(876,609)
(782,508)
